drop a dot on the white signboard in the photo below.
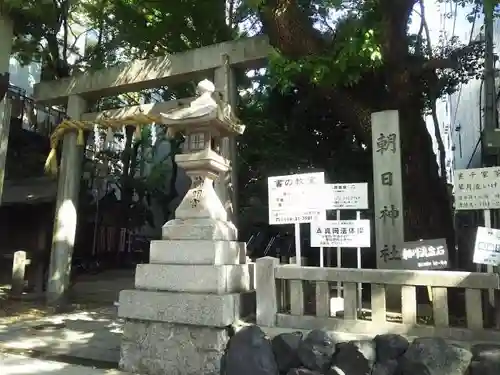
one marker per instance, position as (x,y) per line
(340,233)
(294,198)
(346,196)
(487,247)
(477,189)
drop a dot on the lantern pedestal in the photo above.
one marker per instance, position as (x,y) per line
(201,201)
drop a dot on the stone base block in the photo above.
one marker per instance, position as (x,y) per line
(199,229)
(158,348)
(183,308)
(193,278)
(197,252)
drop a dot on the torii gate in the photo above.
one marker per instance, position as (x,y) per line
(214,62)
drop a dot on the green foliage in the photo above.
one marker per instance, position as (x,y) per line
(291,123)
(343,65)
(147,28)
(355,51)
(37,27)
(121,30)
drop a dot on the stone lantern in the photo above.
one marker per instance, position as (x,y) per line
(203,123)
(198,280)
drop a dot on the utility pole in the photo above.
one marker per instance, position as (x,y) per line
(490,115)
(490,126)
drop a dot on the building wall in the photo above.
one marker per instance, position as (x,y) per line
(466,106)
(460,114)
(24,77)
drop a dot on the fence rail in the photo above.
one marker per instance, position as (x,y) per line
(464,291)
(29,115)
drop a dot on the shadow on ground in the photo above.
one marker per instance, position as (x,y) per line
(90,335)
(19,365)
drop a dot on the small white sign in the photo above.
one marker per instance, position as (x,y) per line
(487,247)
(477,189)
(346,196)
(294,198)
(340,233)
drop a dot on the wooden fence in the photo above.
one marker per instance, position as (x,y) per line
(307,287)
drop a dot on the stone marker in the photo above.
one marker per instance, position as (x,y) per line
(177,317)
(388,197)
(18,272)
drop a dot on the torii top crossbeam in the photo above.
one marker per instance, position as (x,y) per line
(161,71)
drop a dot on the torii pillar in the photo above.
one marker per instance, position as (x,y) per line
(227,185)
(6,40)
(66,219)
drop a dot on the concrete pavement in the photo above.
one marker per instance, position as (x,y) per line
(19,365)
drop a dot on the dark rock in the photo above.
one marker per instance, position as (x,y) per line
(367,348)
(285,348)
(390,346)
(486,352)
(316,350)
(411,367)
(434,356)
(485,359)
(484,368)
(348,360)
(385,368)
(302,371)
(249,352)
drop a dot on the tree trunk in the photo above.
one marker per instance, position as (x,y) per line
(425,194)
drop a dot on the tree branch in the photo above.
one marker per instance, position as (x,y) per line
(433,98)
(395,17)
(289,29)
(418,44)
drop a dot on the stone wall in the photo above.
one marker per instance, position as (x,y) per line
(250,352)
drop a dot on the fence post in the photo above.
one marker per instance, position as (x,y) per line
(267,304)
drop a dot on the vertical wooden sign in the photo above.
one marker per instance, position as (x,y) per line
(389,229)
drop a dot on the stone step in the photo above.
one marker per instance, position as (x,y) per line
(210,310)
(197,252)
(199,229)
(194,278)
